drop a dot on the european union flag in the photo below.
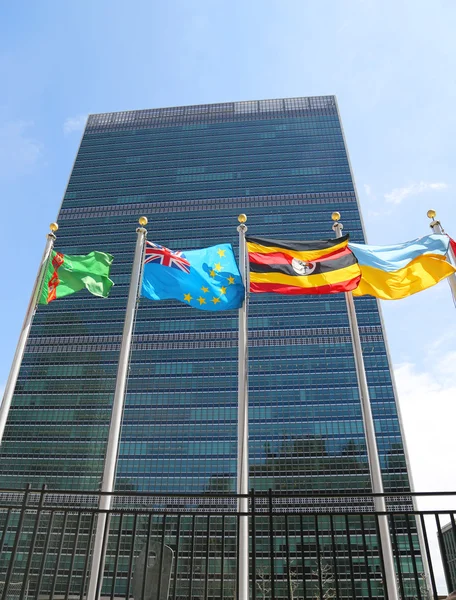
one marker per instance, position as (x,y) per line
(207,279)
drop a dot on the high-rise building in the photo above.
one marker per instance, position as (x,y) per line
(191,170)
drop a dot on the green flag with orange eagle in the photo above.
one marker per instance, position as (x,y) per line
(67,274)
(308,267)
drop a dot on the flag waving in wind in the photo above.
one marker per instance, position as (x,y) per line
(400,270)
(311,267)
(67,274)
(207,279)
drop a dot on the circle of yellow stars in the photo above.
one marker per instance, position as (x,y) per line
(217,267)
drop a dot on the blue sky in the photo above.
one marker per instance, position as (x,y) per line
(392,65)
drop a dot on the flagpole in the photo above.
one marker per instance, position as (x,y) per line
(23,337)
(437,228)
(369,429)
(107,485)
(243,425)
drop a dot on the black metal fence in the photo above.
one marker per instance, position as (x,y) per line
(301,547)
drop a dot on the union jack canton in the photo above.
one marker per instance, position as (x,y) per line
(166,257)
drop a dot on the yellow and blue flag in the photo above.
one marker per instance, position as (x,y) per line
(400,270)
(207,279)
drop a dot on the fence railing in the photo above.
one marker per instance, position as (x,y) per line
(301,547)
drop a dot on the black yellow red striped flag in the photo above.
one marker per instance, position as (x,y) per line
(313,267)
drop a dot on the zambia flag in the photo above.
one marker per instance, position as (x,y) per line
(67,274)
(314,267)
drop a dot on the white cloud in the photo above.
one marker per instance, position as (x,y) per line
(397,195)
(18,151)
(367,189)
(74,124)
(427,399)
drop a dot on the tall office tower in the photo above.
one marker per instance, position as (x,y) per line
(191,170)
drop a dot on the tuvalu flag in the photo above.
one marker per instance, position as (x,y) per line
(313,267)
(206,279)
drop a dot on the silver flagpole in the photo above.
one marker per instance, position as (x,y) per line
(109,473)
(23,337)
(372,450)
(437,228)
(243,425)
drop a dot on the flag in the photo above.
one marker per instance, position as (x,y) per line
(67,274)
(400,270)
(207,279)
(452,245)
(314,267)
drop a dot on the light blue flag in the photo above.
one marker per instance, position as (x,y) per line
(207,279)
(397,256)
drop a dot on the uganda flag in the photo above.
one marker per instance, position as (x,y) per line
(314,267)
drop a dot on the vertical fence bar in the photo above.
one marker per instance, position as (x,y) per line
(146,557)
(238,548)
(253,538)
(17,538)
(162,549)
(176,562)
(287,552)
(33,542)
(116,561)
(453,530)
(318,554)
(428,556)
(443,551)
(73,555)
(132,555)
(45,552)
(206,566)
(271,545)
(86,562)
(106,521)
(57,558)
(303,559)
(350,557)
(380,554)
(222,566)
(366,556)
(398,555)
(334,554)
(413,557)
(191,558)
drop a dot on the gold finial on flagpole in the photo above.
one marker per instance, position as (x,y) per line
(53,227)
(143,221)
(242,218)
(431,213)
(337,225)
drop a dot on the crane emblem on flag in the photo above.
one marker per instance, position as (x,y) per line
(303,267)
(166,257)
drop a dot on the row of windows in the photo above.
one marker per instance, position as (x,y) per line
(303,151)
(285,133)
(102,197)
(258,184)
(259,202)
(193,120)
(241,108)
(234,152)
(149,163)
(321,105)
(113,319)
(199,365)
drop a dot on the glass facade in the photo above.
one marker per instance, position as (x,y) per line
(191,170)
